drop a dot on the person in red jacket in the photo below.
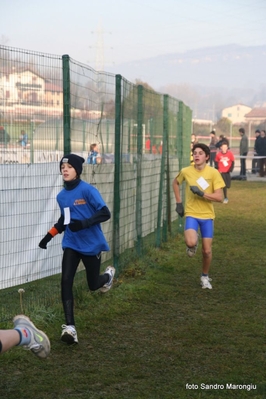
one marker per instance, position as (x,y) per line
(224,162)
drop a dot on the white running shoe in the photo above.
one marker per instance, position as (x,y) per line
(192,251)
(205,282)
(110,270)
(225,201)
(39,342)
(69,334)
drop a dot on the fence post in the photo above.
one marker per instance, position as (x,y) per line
(180,141)
(117,159)
(66,104)
(169,193)
(165,163)
(180,151)
(188,120)
(139,164)
(162,176)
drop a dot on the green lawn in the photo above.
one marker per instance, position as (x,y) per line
(157,330)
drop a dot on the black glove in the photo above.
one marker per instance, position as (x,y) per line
(179,209)
(196,190)
(45,240)
(60,227)
(77,225)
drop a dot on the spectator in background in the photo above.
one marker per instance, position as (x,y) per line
(224,161)
(27,335)
(193,141)
(148,145)
(160,149)
(4,136)
(94,155)
(255,162)
(23,140)
(154,149)
(261,149)
(222,139)
(243,151)
(212,147)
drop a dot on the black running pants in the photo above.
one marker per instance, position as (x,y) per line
(70,264)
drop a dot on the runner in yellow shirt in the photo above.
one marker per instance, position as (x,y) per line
(204,185)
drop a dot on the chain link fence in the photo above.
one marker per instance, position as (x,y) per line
(51,105)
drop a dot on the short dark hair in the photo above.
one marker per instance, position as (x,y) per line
(213,132)
(241,130)
(92,146)
(257,131)
(225,141)
(204,148)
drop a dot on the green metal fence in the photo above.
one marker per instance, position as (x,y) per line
(64,106)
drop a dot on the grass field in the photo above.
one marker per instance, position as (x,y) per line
(157,330)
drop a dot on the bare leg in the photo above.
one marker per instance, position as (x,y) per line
(191,237)
(9,339)
(206,254)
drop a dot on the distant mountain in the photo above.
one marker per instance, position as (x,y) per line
(207,79)
(221,66)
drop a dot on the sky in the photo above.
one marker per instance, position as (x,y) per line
(106,33)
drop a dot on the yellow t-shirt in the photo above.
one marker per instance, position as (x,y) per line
(197,206)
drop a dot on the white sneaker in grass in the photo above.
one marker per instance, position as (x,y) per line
(225,201)
(205,282)
(39,342)
(191,251)
(69,335)
(110,270)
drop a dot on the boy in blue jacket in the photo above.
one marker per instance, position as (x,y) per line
(82,210)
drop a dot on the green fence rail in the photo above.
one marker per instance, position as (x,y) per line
(51,105)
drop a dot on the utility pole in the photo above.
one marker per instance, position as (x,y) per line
(99,55)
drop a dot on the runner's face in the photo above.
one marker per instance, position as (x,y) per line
(199,157)
(68,172)
(224,148)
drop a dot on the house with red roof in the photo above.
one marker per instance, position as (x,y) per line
(256,115)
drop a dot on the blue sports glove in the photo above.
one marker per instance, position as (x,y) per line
(196,190)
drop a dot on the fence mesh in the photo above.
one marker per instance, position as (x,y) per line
(51,105)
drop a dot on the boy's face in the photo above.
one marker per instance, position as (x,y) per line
(199,157)
(224,148)
(68,172)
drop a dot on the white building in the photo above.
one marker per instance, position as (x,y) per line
(236,113)
(22,87)
(28,88)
